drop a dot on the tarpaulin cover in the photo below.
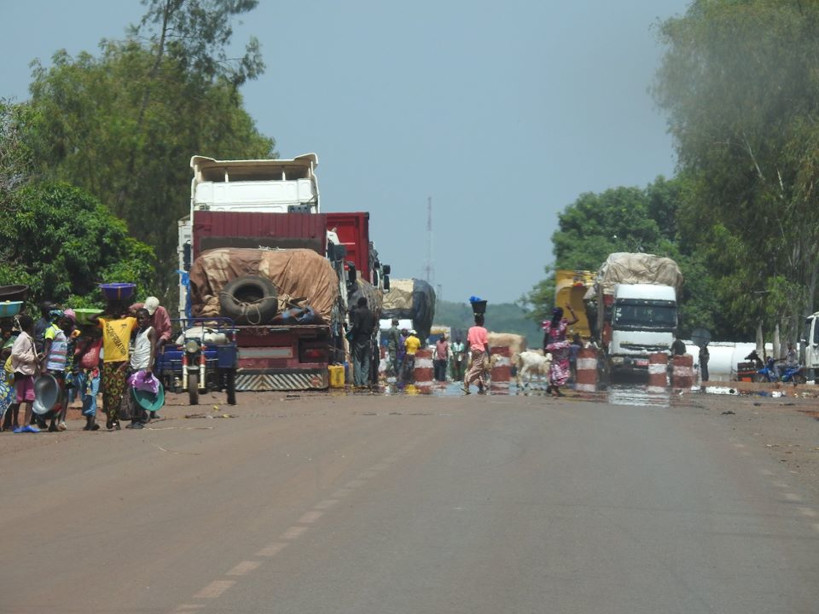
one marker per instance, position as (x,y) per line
(373,295)
(296,273)
(413,299)
(629,268)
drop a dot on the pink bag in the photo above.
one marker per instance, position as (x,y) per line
(144,380)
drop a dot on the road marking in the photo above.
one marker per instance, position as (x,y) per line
(310,517)
(272,549)
(214,589)
(294,533)
(806,511)
(326,504)
(243,567)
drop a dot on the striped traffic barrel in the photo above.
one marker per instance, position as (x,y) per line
(682,373)
(586,370)
(658,372)
(423,371)
(501,369)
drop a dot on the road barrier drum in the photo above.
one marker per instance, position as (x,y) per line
(586,370)
(682,374)
(423,371)
(501,369)
(658,372)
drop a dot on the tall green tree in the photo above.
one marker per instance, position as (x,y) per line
(740,85)
(124,125)
(62,242)
(623,219)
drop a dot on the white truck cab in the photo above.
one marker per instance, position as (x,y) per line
(643,322)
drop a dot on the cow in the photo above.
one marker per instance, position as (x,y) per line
(530,363)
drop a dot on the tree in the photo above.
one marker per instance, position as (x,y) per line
(15,156)
(740,86)
(623,219)
(124,126)
(62,242)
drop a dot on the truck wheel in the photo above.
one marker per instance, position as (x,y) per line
(230,385)
(193,388)
(249,299)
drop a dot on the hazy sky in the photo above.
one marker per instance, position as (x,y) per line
(501,113)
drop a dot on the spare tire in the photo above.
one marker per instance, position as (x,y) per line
(249,299)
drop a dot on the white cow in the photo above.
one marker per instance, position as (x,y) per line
(531,363)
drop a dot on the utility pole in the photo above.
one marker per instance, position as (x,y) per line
(429,268)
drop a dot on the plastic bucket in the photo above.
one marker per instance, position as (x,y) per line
(10,308)
(118,291)
(478,307)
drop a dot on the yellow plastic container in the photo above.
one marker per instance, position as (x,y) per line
(336,376)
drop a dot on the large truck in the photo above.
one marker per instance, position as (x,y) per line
(810,346)
(633,303)
(241,245)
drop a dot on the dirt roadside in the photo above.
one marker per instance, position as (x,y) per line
(786,427)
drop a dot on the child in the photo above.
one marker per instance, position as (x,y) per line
(87,374)
(26,363)
(142,359)
(55,348)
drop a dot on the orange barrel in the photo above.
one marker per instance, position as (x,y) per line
(658,372)
(501,369)
(682,375)
(423,371)
(586,370)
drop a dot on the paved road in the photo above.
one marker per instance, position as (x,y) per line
(366,504)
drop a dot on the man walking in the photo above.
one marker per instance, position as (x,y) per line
(441,358)
(363,324)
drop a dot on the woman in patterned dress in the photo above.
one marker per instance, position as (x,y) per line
(556,344)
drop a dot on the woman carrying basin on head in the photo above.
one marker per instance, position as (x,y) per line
(556,344)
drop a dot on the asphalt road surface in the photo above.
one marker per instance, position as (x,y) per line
(408,504)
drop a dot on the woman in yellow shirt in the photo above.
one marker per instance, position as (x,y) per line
(117,327)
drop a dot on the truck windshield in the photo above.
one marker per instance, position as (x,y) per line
(645,315)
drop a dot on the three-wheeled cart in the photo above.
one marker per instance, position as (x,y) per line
(202,357)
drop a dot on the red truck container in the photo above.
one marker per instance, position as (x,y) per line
(353,230)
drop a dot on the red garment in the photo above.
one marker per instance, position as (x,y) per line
(90,358)
(442,350)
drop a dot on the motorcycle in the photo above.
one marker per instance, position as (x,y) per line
(767,372)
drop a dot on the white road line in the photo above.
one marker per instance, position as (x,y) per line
(294,533)
(326,504)
(310,517)
(243,567)
(214,589)
(272,549)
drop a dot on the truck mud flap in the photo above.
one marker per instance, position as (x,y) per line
(292,379)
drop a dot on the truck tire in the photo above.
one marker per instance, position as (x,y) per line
(249,299)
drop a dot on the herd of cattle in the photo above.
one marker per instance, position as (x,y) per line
(528,363)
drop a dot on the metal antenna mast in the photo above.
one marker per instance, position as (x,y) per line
(429,269)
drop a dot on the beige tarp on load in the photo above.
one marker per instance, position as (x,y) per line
(296,273)
(400,295)
(629,268)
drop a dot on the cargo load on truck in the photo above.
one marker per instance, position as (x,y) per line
(298,278)
(412,299)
